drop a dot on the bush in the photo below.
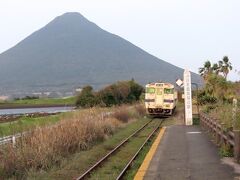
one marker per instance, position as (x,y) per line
(115,94)
(204,98)
(27,98)
(109,96)
(122,115)
(140,109)
(209,108)
(135,91)
(86,98)
(120,92)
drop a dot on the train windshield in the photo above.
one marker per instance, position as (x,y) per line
(159,91)
(168,91)
(150,90)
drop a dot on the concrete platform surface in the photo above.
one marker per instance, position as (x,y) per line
(186,152)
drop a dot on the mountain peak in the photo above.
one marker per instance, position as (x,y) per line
(72,20)
(72,15)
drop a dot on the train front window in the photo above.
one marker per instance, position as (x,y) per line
(168,91)
(159,91)
(150,90)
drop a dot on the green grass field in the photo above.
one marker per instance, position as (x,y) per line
(26,124)
(38,102)
(70,100)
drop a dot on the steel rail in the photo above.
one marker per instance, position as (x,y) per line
(123,172)
(97,164)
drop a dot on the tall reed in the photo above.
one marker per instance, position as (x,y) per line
(47,146)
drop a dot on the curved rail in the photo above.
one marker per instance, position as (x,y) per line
(97,164)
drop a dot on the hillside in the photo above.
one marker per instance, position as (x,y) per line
(70,52)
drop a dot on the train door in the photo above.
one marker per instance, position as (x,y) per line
(159,97)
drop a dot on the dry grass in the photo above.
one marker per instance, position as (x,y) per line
(47,146)
(224,115)
(122,115)
(140,109)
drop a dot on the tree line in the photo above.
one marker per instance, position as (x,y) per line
(114,94)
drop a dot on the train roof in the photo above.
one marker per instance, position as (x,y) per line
(160,84)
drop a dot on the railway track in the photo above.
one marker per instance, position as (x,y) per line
(143,135)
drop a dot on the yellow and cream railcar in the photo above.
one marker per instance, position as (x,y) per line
(160,99)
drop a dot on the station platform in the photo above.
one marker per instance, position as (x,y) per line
(185,152)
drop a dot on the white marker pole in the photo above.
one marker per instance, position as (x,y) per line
(187,97)
(14,141)
(234,113)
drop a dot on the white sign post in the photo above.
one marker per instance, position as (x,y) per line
(234,113)
(187,97)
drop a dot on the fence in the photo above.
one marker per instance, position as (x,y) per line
(231,138)
(10,139)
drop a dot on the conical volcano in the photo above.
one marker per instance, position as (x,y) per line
(71,51)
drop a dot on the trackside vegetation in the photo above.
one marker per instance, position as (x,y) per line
(49,147)
(118,93)
(217,88)
(216,98)
(218,93)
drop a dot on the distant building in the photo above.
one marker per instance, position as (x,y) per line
(55,95)
(46,94)
(4,98)
(78,90)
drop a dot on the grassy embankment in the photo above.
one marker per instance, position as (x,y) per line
(41,102)
(26,124)
(68,144)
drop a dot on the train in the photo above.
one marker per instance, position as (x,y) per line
(160,99)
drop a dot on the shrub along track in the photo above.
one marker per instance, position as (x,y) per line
(115,164)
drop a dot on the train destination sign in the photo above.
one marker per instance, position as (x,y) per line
(187,97)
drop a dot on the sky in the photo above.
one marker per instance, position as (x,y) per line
(185,33)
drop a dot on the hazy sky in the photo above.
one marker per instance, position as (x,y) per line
(183,32)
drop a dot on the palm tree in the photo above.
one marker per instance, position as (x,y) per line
(225,66)
(205,70)
(216,68)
